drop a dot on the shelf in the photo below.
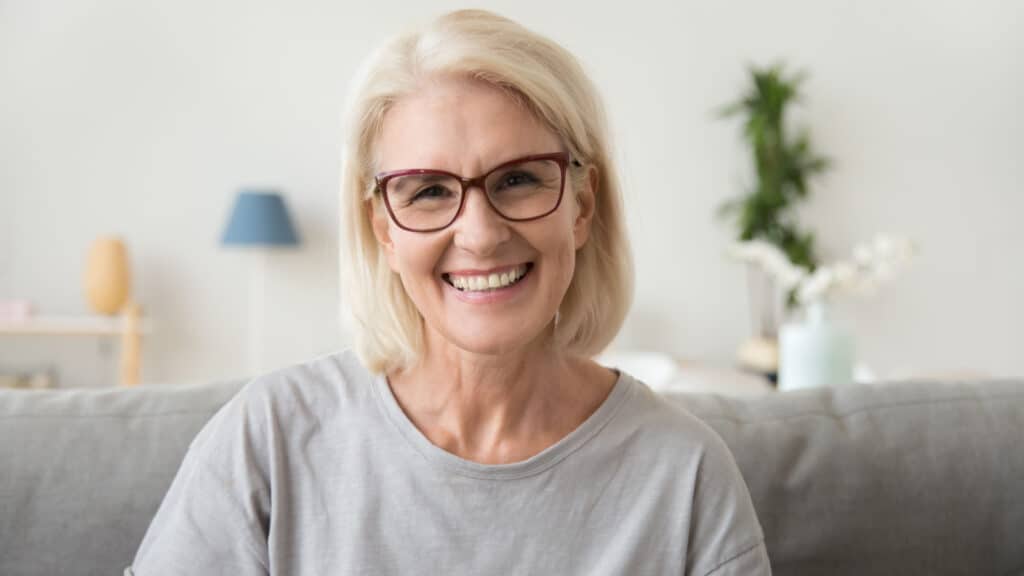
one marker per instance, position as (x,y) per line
(129,326)
(70,326)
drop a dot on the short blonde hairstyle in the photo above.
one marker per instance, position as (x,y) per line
(387,327)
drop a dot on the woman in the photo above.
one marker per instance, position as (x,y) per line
(484,261)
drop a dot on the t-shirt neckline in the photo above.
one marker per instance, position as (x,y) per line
(535,464)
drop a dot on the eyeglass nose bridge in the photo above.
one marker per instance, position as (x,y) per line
(468,184)
(479,182)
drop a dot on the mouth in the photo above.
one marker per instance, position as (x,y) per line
(488,282)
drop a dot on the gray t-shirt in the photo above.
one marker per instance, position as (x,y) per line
(316,470)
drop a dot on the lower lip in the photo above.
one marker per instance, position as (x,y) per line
(491,296)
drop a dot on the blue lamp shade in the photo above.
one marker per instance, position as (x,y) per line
(260,218)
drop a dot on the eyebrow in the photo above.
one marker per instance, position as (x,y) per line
(426,177)
(572,160)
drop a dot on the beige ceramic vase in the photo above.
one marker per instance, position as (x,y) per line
(107,276)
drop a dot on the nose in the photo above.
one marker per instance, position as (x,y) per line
(478,228)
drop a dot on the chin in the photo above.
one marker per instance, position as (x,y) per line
(486,342)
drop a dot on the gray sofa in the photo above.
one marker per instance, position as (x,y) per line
(911,478)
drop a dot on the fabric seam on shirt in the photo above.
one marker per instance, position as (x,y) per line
(498,477)
(735,557)
(230,495)
(200,465)
(226,489)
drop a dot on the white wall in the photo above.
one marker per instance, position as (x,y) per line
(144,118)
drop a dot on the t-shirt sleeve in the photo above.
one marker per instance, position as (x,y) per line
(725,535)
(214,518)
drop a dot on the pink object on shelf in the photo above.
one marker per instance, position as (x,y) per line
(15,310)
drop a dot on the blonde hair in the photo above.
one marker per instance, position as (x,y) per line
(388,329)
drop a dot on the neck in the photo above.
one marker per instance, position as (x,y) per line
(497,408)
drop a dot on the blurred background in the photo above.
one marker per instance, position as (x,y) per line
(144,120)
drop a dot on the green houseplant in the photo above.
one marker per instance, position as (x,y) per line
(784,162)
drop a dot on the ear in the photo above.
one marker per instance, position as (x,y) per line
(586,203)
(381,230)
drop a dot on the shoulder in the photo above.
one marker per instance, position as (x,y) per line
(699,460)
(337,375)
(319,385)
(286,401)
(218,510)
(668,426)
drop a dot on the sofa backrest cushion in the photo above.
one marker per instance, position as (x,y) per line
(82,472)
(908,478)
(914,478)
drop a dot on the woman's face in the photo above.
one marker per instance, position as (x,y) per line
(468,127)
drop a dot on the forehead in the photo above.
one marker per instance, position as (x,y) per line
(461,125)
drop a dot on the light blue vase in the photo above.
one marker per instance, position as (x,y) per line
(816,352)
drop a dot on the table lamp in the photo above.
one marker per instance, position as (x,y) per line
(259,220)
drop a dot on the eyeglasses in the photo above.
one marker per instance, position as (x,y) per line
(424,200)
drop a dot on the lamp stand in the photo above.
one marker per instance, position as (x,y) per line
(257,309)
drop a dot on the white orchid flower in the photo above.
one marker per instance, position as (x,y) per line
(871,264)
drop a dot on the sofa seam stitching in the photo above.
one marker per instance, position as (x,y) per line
(859,411)
(115,415)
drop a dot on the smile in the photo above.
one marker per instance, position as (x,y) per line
(488,282)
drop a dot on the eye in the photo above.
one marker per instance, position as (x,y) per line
(430,192)
(519,178)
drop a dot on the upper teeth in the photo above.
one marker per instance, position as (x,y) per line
(488,281)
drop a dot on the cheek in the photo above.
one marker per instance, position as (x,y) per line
(567,261)
(560,245)
(415,256)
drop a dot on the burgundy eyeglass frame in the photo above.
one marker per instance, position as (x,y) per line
(562,158)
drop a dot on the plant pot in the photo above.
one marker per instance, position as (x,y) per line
(760,353)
